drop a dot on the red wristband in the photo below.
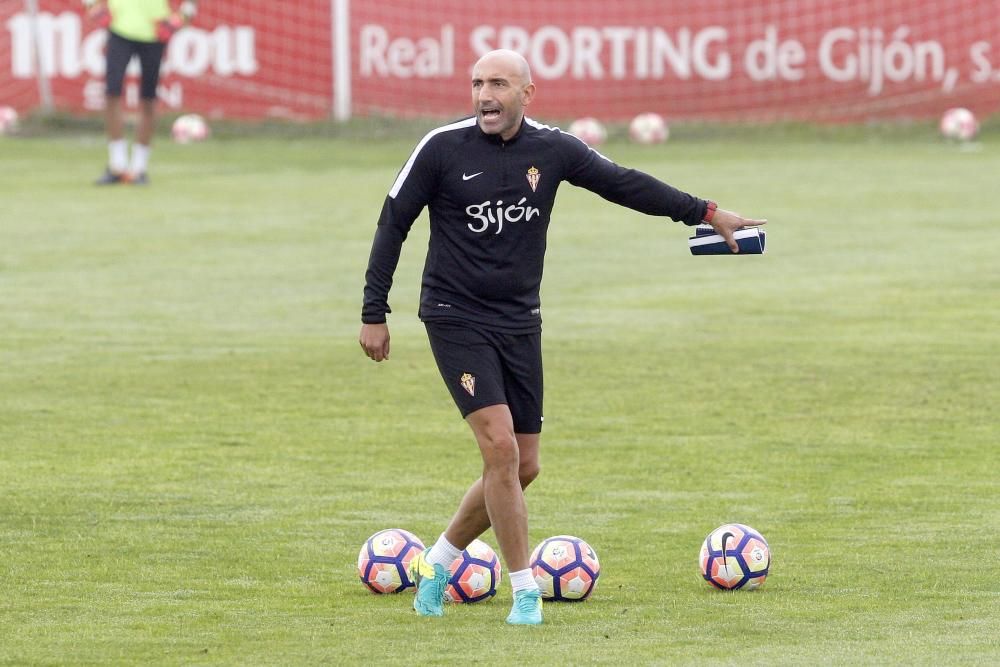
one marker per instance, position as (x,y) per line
(710,211)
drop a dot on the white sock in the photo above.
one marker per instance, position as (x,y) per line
(443,552)
(140,159)
(118,155)
(522,580)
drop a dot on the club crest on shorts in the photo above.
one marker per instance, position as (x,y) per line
(533,177)
(468,382)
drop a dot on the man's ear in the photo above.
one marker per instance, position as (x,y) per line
(528,94)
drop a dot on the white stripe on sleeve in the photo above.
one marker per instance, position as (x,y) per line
(398,185)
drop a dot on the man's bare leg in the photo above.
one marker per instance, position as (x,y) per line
(114,128)
(143,138)
(497,498)
(472,520)
(147,122)
(501,450)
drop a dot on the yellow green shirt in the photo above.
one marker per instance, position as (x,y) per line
(136,19)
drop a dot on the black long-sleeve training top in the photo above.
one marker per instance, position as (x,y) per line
(490,201)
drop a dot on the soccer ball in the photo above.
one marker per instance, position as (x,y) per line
(565,568)
(735,556)
(8,120)
(959,123)
(384,561)
(589,130)
(475,575)
(648,128)
(189,128)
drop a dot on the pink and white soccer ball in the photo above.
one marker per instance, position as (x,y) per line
(565,568)
(589,130)
(648,128)
(959,123)
(8,120)
(735,556)
(475,574)
(189,128)
(384,560)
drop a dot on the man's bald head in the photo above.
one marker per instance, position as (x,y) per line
(509,60)
(501,88)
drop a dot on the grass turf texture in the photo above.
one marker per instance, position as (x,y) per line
(194,447)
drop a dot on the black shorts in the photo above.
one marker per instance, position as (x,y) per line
(483,368)
(120,52)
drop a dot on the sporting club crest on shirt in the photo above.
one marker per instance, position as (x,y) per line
(468,382)
(533,177)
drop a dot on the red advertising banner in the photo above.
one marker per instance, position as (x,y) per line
(724,60)
(743,60)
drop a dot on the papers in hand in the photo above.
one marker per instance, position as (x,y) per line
(706,242)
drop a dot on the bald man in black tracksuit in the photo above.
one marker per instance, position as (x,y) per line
(490,183)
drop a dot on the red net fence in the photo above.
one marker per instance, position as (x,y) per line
(715,60)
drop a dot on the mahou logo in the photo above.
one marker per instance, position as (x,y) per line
(64,51)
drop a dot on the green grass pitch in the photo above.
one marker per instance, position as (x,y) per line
(193,446)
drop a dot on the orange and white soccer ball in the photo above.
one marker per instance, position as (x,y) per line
(8,120)
(959,124)
(648,128)
(384,560)
(475,575)
(189,128)
(565,568)
(589,130)
(735,556)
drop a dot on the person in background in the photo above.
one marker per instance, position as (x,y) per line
(135,28)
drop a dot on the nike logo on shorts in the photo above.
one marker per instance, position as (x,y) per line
(469,177)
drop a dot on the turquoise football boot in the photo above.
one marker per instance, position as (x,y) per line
(527,608)
(431,581)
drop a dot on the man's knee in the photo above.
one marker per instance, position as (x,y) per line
(528,472)
(499,446)
(494,431)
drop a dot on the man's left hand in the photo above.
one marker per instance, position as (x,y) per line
(726,222)
(165,28)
